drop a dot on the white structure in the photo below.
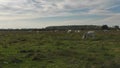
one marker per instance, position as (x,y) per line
(89,34)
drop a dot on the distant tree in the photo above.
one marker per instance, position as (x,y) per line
(105,27)
(116,27)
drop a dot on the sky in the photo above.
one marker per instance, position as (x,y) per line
(42,13)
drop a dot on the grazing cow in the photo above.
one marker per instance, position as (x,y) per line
(105,30)
(89,34)
(69,31)
(30,31)
(37,31)
(55,30)
(77,31)
(118,30)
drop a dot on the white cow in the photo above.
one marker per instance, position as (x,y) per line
(69,31)
(118,30)
(55,30)
(77,31)
(89,34)
(37,31)
(105,30)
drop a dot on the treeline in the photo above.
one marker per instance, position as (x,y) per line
(75,27)
(69,27)
(82,27)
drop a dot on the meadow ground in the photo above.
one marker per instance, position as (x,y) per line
(59,50)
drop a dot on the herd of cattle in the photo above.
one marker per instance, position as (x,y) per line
(87,34)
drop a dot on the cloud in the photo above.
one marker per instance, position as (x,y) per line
(43,7)
(27,10)
(112,20)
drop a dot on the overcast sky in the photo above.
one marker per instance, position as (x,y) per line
(42,13)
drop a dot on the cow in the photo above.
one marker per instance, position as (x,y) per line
(89,34)
(77,31)
(69,31)
(105,30)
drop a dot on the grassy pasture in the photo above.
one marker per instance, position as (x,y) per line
(20,49)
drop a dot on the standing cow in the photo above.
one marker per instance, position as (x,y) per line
(69,31)
(89,34)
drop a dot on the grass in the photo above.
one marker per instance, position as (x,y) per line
(59,50)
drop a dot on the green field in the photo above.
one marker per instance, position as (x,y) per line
(59,50)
